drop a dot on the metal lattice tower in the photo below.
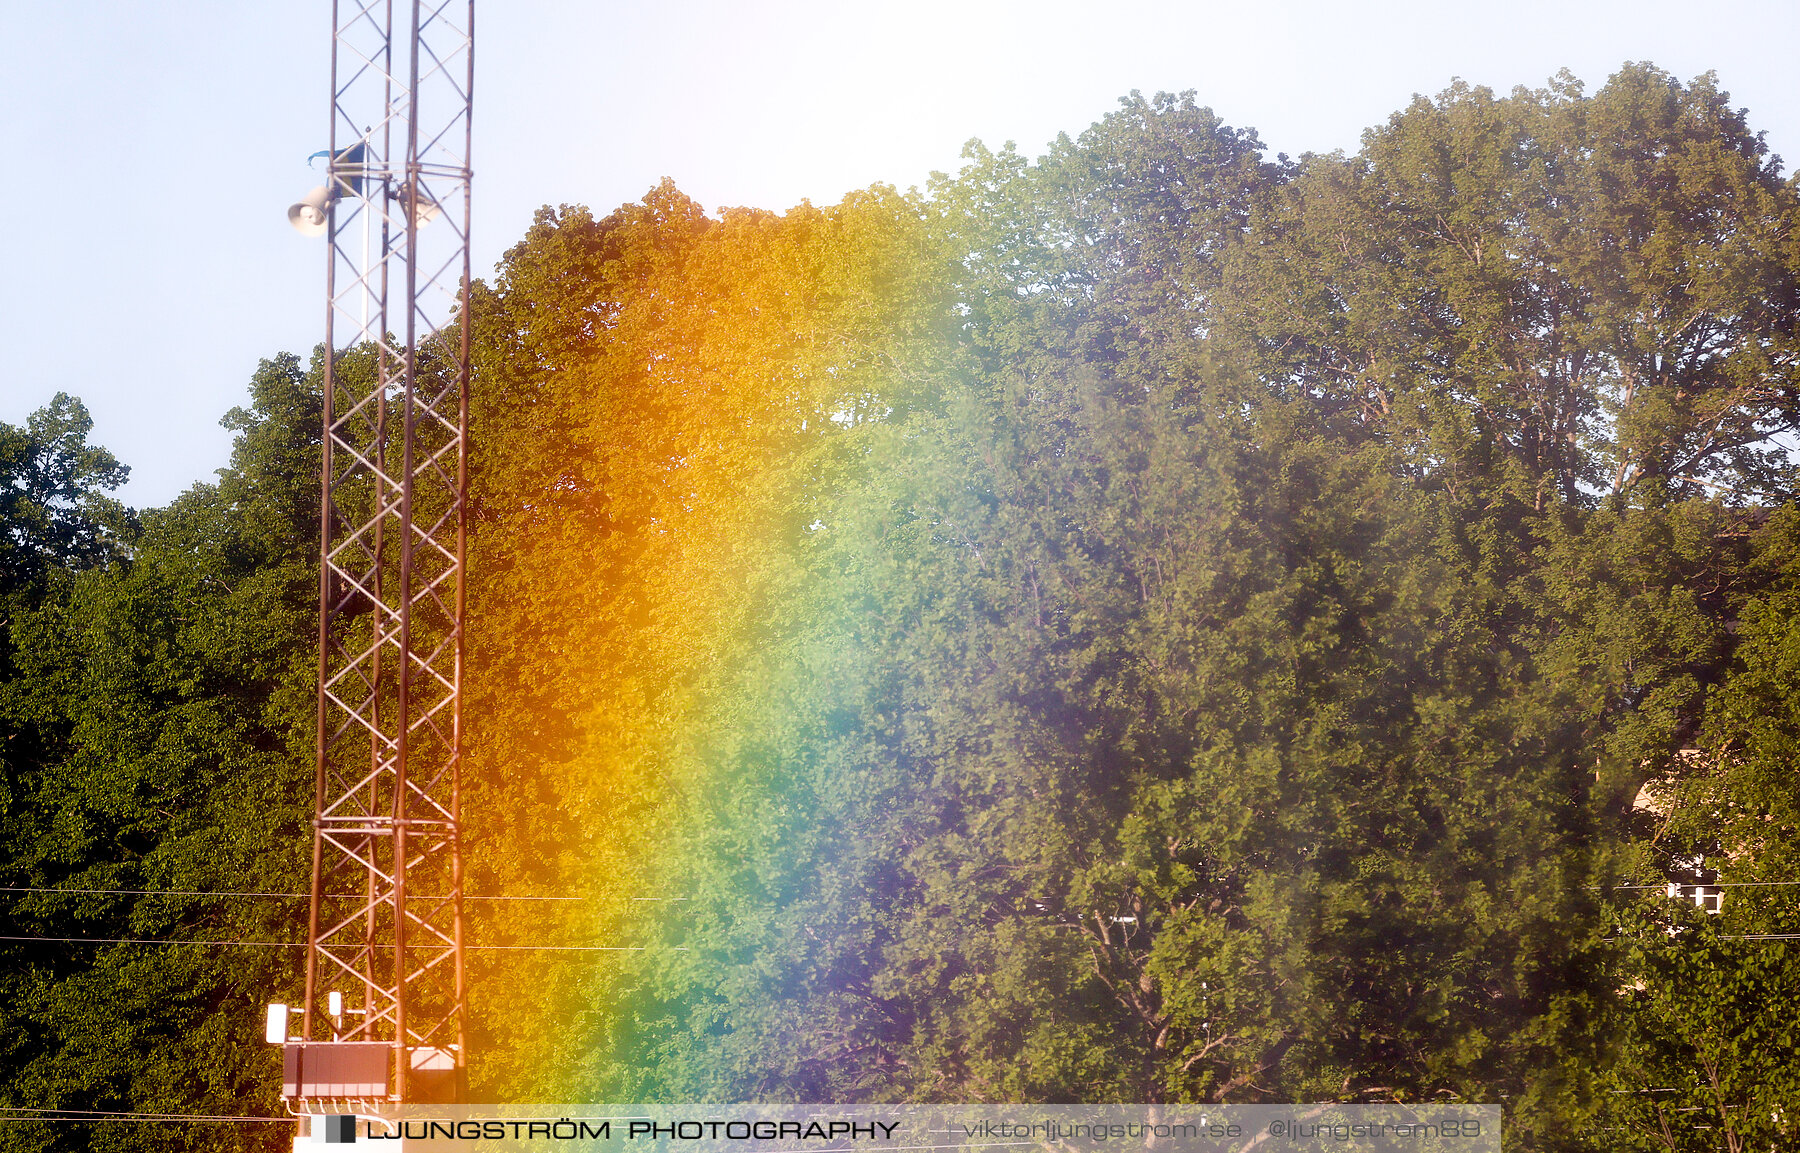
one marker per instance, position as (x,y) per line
(386,923)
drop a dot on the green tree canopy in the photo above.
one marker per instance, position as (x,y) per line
(53,502)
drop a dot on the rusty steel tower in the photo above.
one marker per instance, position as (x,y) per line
(384,1016)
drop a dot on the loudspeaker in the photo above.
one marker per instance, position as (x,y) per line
(424,210)
(312,213)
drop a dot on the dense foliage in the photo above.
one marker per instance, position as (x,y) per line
(155,704)
(1154,623)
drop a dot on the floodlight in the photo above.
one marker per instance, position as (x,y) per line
(275,1031)
(334,1004)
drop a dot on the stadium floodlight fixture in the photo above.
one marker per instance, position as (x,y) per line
(275,1030)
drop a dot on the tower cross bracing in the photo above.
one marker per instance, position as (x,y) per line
(386,928)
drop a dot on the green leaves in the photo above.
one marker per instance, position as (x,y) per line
(1544,295)
(1141,624)
(157,715)
(54,511)
(1152,623)
(1706,1040)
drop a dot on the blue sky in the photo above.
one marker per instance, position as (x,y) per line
(155,146)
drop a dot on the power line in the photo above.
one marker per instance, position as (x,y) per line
(572,948)
(153,941)
(1727,937)
(290,896)
(1706,885)
(143,892)
(302,944)
(135,1119)
(93,1115)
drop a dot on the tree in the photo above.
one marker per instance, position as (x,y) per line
(1706,1032)
(666,405)
(53,500)
(158,723)
(1550,295)
(1152,623)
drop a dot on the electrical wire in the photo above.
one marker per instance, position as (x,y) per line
(302,944)
(1709,885)
(152,941)
(291,896)
(91,1116)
